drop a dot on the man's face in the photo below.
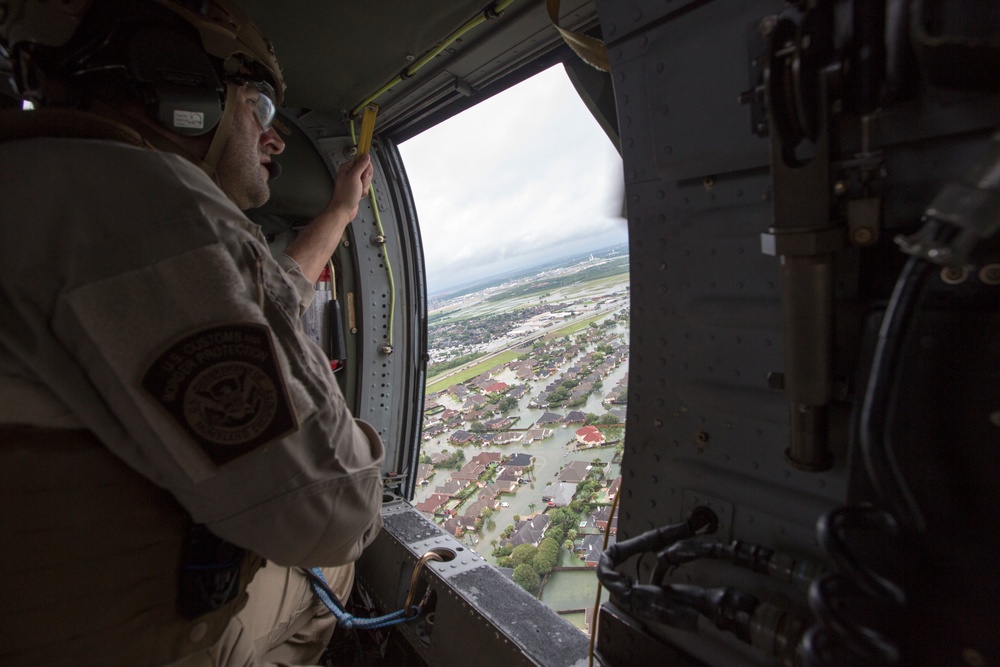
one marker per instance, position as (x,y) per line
(242,170)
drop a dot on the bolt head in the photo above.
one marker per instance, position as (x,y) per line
(863,236)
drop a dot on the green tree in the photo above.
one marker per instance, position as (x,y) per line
(477,427)
(517,517)
(455,460)
(546,556)
(424,458)
(532,506)
(507,403)
(608,419)
(591,419)
(526,577)
(523,554)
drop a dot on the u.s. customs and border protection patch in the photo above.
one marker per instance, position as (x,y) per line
(223,385)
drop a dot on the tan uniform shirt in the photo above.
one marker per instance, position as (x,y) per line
(136,301)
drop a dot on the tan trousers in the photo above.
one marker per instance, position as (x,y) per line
(283,624)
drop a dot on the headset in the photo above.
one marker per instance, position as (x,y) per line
(160,55)
(176,80)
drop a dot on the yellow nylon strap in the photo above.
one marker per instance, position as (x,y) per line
(592,51)
(367,129)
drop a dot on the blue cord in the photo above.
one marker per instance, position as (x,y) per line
(346,620)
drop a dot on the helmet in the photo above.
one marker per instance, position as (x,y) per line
(63,38)
(177,57)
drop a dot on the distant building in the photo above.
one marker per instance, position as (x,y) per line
(510,475)
(600,518)
(453,526)
(424,472)
(574,472)
(461,437)
(548,418)
(593,547)
(614,488)
(435,502)
(518,391)
(530,531)
(470,472)
(559,494)
(508,437)
(535,434)
(519,460)
(590,436)
(498,424)
(452,487)
(575,417)
(486,458)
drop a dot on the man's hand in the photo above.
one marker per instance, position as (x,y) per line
(316,243)
(353,180)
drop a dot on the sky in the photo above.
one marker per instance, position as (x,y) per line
(525,177)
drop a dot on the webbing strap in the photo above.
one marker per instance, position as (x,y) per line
(346,620)
(591,50)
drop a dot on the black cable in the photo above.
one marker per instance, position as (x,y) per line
(876,446)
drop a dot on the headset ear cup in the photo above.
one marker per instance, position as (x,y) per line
(179,85)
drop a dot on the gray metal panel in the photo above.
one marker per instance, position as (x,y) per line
(479,614)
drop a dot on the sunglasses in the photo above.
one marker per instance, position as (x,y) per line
(264,108)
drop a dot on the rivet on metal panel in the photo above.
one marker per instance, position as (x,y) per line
(862,236)
(701,437)
(954,275)
(709,182)
(990,274)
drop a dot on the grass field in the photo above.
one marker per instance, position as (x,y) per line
(487,363)
(434,384)
(573,328)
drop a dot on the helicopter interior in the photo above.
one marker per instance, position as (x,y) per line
(813,198)
(781,160)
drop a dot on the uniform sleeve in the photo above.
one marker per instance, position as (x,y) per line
(189,333)
(298,280)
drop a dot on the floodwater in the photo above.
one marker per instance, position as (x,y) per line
(563,590)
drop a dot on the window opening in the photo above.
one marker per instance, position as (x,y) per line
(519,200)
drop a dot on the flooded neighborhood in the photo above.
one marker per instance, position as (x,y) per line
(523,425)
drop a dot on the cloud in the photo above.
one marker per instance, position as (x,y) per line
(523,177)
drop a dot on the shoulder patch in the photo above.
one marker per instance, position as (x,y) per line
(223,385)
